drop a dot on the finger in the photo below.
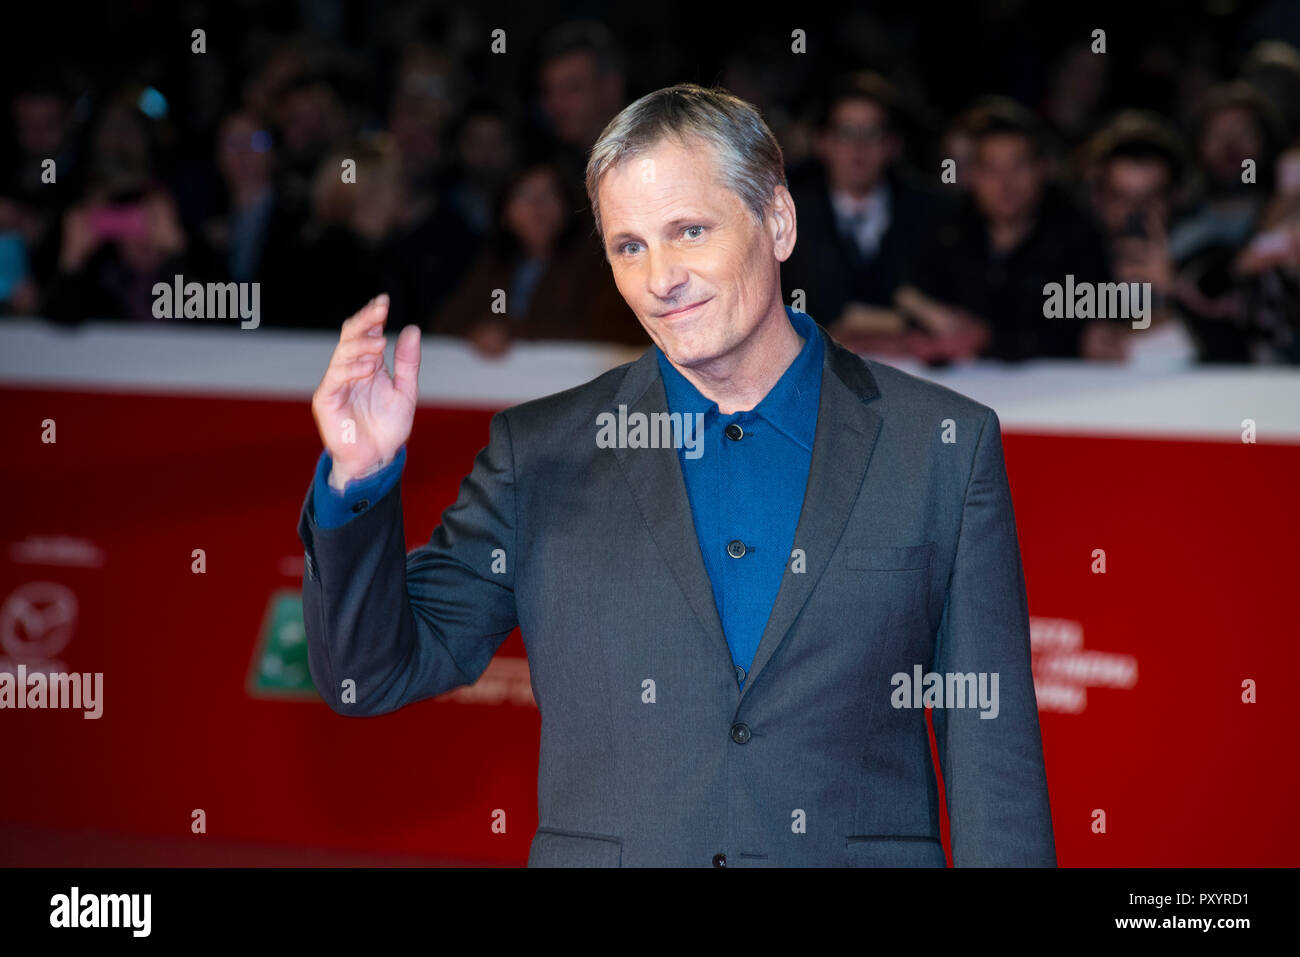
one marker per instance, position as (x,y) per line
(353,349)
(345,371)
(406,363)
(338,378)
(368,320)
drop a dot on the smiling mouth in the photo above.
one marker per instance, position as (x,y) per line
(682,311)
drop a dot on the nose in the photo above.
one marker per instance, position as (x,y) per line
(665,274)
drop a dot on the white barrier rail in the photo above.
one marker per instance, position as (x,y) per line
(1057,396)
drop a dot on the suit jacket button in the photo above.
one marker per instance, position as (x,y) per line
(361,506)
(736,548)
(740,733)
(719,860)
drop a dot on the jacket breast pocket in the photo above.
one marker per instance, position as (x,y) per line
(873,851)
(886,559)
(553,847)
(881,587)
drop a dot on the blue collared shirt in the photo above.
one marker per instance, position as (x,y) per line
(746,493)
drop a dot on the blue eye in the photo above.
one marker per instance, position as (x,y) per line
(689,228)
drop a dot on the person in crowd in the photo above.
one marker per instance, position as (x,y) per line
(1077,91)
(582,83)
(20,228)
(541,275)
(979,290)
(1257,297)
(422,106)
(311,121)
(484,151)
(1237,136)
(252,235)
(356,240)
(125,234)
(863,221)
(31,206)
(1136,173)
(1270,267)
(432,243)
(1273,68)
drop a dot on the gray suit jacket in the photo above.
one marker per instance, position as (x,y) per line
(906,563)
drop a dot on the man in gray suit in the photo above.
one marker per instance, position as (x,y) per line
(743,565)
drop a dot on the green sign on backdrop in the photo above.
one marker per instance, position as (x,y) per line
(279,668)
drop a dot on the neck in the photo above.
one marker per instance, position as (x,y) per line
(738,380)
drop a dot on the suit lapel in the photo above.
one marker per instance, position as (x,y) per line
(846,436)
(659,489)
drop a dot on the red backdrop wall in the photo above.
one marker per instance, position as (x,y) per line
(1140,669)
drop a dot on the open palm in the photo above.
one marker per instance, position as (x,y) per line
(363,413)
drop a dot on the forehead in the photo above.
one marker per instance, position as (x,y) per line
(857,110)
(571,66)
(1004,147)
(663,176)
(1232,116)
(1131,172)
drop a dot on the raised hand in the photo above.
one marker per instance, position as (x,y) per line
(363,413)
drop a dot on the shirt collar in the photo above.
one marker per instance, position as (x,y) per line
(875,203)
(790,405)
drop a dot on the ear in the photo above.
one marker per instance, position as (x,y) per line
(782,223)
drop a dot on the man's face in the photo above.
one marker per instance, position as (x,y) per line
(573,96)
(1131,188)
(856,147)
(1007,179)
(1231,137)
(688,256)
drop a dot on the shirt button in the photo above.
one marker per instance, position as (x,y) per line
(736,548)
(734,432)
(719,860)
(740,675)
(740,733)
(361,506)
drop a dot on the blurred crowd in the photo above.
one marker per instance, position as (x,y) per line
(332,150)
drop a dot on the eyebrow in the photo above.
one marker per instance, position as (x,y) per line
(671,226)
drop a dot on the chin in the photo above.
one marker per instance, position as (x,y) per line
(693,353)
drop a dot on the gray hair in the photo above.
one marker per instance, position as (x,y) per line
(750,163)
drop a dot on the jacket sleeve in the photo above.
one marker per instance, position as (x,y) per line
(386,628)
(995,782)
(332,508)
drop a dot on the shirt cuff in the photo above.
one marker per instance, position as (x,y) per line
(334,508)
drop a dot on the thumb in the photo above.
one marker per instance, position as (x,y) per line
(406,363)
